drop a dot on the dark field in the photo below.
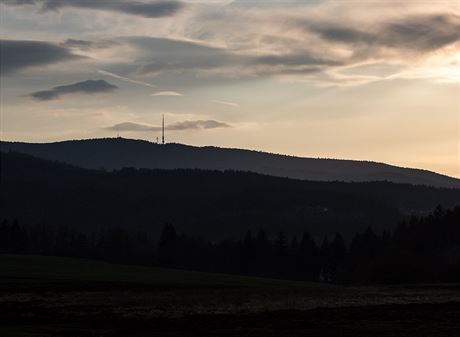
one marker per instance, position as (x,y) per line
(48,296)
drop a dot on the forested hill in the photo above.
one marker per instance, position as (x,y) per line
(116,153)
(210,204)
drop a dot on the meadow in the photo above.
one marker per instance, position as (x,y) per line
(55,296)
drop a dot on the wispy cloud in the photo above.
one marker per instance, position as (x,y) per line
(89,87)
(179,126)
(126,79)
(151,9)
(85,45)
(305,44)
(167,93)
(232,104)
(418,33)
(197,125)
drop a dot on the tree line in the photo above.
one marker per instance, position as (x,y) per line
(211,204)
(421,249)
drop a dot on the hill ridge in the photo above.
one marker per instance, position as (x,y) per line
(115,153)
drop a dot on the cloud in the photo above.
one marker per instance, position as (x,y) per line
(179,126)
(419,33)
(300,58)
(16,55)
(157,55)
(235,105)
(126,79)
(309,43)
(86,87)
(129,126)
(147,9)
(301,43)
(164,54)
(87,45)
(197,125)
(167,93)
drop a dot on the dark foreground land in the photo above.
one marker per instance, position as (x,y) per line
(49,296)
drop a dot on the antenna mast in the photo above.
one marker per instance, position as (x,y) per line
(163,131)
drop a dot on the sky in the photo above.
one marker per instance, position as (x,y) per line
(368,80)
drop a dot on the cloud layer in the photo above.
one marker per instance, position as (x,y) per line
(179,126)
(158,55)
(147,9)
(299,42)
(89,87)
(299,47)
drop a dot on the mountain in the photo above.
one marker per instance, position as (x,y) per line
(116,153)
(210,204)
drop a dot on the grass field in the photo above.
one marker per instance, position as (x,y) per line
(51,296)
(59,269)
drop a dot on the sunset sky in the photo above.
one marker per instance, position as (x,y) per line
(371,80)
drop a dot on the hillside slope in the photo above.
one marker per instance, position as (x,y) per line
(210,204)
(116,153)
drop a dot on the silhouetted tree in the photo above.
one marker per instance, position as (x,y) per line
(248,254)
(168,246)
(309,259)
(424,249)
(263,254)
(280,249)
